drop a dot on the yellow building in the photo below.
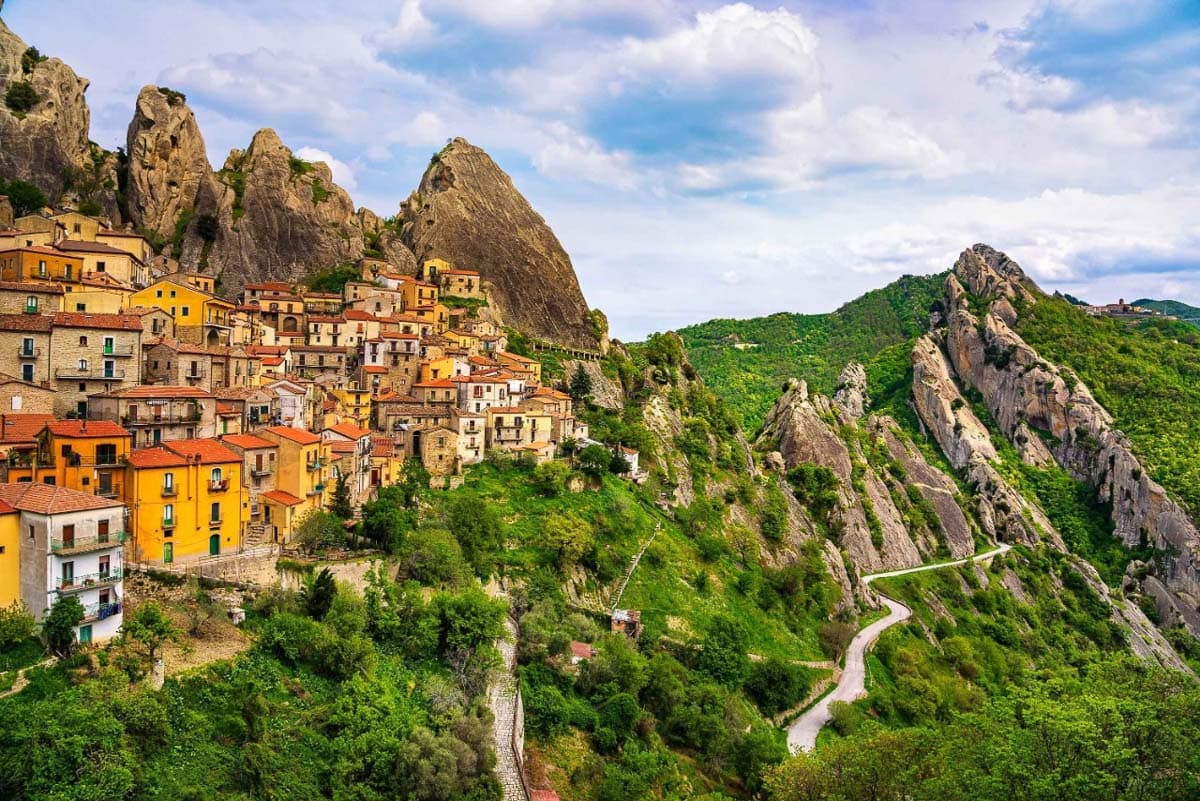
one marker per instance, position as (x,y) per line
(511,428)
(78,226)
(416,293)
(518,362)
(10,554)
(38,264)
(99,258)
(461,283)
(201,317)
(355,404)
(185,500)
(83,455)
(304,466)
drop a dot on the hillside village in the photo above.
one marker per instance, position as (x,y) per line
(173,425)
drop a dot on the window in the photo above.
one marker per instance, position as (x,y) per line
(83,364)
(80,307)
(83,341)
(26,375)
(215,514)
(31,303)
(68,536)
(172,308)
(172,293)
(158,293)
(109,344)
(41,268)
(100,267)
(168,481)
(105,566)
(76,228)
(67,272)
(216,475)
(186,312)
(168,514)
(27,346)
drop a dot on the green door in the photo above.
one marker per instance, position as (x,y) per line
(168,553)
(85,634)
(214,545)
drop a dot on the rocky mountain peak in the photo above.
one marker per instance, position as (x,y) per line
(47,141)
(990,274)
(468,211)
(851,392)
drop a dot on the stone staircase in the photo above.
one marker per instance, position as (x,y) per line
(633,563)
(508,729)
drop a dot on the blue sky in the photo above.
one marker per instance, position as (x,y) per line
(705,160)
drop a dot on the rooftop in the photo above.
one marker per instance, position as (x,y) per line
(297,435)
(47,499)
(86,428)
(206,451)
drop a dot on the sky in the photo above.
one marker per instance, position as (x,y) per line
(702,160)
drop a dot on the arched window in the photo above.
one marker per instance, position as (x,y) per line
(83,364)
(216,475)
(31,303)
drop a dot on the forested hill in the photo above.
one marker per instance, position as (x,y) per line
(748,360)
(1186,313)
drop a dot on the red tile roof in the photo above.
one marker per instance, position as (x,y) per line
(270,286)
(169,391)
(46,499)
(75,246)
(29,323)
(297,435)
(86,428)
(121,322)
(341,447)
(227,409)
(156,457)
(22,428)
(581,649)
(439,383)
(349,430)
(281,497)
(33,289)
(207,451)
(247,441)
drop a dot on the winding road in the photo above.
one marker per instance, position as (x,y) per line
(802,734)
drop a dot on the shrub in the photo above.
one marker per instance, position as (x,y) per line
(31,58)
(16,625)
(59,626)
(775,685)
(21,96)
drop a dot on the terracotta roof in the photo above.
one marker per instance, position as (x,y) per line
(515,357)
(33,289)
(73,245)
(316,318)
(459,272)
(581,649)
(155,457)
(331,295)
(109,232)
(22,428)
(237,393)
(342,447)
(29,323)
(262,350)
(45,250)
(269,286)
(391,396)
(550,392)
(281,497)
(382,446)
(209,451)
(509,410)
(121,322)
(247,441)
(372,369)
(348,430)
(477,378)
(227,410)
(358,314)
(440,383)
(169,391)
(86,428)
(47,499)
(272,361)
(297,435)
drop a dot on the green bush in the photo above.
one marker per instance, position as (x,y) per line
(21,97)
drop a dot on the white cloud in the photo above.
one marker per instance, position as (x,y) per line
(569,154)
(343,174)
(411,29)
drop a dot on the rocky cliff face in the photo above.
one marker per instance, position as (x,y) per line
(42,145)
(877,521)
(1032,400)
(468,212)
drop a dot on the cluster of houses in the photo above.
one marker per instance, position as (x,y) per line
(143,416)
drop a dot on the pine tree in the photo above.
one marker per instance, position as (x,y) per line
(581,384)
(318,594)
(340,505)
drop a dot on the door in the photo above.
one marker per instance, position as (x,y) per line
(102,526)
(105,487)
(81,409)
(85,634)
(214,544)
(68,536)
(168,553)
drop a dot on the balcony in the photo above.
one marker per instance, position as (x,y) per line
(194,373)
(215,523)
(87,580)
(317,489)
(84,373)
(169,492)
(315,464)
(112,491)
(117,350)
(262,470)
(218,485)
(160,418)
(29,353)
(94,612)
(168,522)
(96,542)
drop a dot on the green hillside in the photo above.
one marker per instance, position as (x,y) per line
(814,347)
(1186,313)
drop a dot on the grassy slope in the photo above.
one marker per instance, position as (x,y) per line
(815,347)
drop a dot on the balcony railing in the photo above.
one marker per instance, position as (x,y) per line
(195,372)
(29,353)
(112,491)
(89,374)
(315,464)
(117,350)
(87,580)
(218,485)
(168,522)
(262,470)
(93,543)
(169,492)
(101,611)
(317,489)
(140,419)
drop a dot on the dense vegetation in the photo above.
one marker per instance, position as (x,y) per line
(1146,373)
(814,347)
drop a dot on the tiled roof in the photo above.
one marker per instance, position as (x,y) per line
(45,250)
(209,451)
(121,322)
(348,430)
(281,497)
(227,410)
(342,447)
(515,357)
(108,232)
(156,457)
(72,245)
(440,383)
(30,323)
(46,499)
(19,428)
(297,435)
(509,410)
(269,286)
(550,392)
(315,318)
(459,272)
(169,391)
(374,369)
(247,441)
(358,314)
(33,289)
(86,428)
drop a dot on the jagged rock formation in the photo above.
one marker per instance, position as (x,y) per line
(168,163)
(874,463)
(6,212)
(45,143)
(468,212)
(606,393)
(1031,400)
(851,392)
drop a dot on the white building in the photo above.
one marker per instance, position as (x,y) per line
(71,544)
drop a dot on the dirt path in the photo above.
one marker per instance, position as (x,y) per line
(802,735)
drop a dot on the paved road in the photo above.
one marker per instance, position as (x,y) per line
(802,734)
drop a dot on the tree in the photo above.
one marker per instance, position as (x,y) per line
(413,482)
(723,655)
(385,520)
(16,625)
(581,384)
(594,460)
(30,59)
(478,529)
(432,556)
(25,197)
(835,636)
(320,530)
(199,607)
(318,594)
(549,478)
(150,627)
(775,685)
(21,96)
(569,536)
(340,505)
(59,626)
(618,465)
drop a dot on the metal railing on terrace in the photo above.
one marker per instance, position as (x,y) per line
(63,545)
